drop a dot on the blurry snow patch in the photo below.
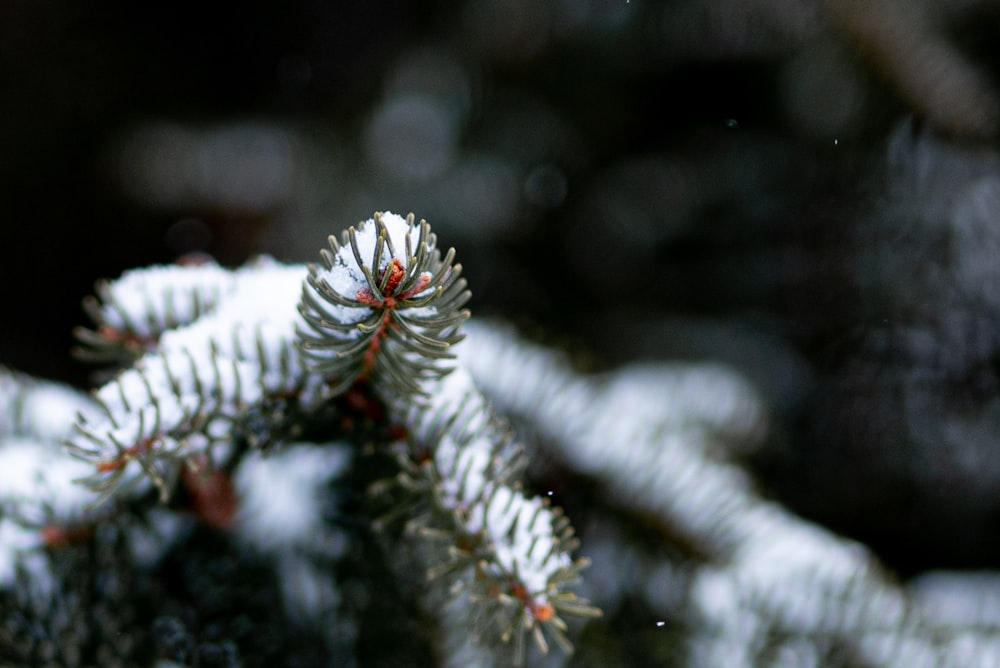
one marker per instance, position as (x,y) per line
(285,502)
(308,588)
(689,396)
(975,243)
(284,496)
(959,600)
(37,488)
(40,480)
(38,408)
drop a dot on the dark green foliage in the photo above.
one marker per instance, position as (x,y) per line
(94,614)
(218,605)
(209,602)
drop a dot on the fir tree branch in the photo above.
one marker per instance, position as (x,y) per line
(240,366)
(772,580)
(226,375)
(386,308)
(505,552)
(131,312)
(171,409)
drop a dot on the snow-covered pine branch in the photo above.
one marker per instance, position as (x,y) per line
(226,352)
(229,360)
(504,549)
(227,374)
(131,312)
(662,440)
(386,308)
(172,408)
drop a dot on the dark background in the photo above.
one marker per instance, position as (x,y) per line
(802,190)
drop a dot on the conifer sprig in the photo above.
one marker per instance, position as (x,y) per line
(131,312)
(226,376)
(171,409)
(508,552)
(386,308)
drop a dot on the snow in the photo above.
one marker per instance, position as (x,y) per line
(346,278)
(165,391)
(281,495)
(959,599)
(38,408)
(285,500)
(148,301)
(263,299)
(37,486)
(521,532)
(366,236)
(469,459)
(30,471)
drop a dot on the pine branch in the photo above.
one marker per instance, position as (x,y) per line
(506,552)
(226,375)
(132,312)
(771,580)
(171,409)
(229,361)
(256,323)
(386,309)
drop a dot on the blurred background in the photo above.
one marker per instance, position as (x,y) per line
(804,190)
